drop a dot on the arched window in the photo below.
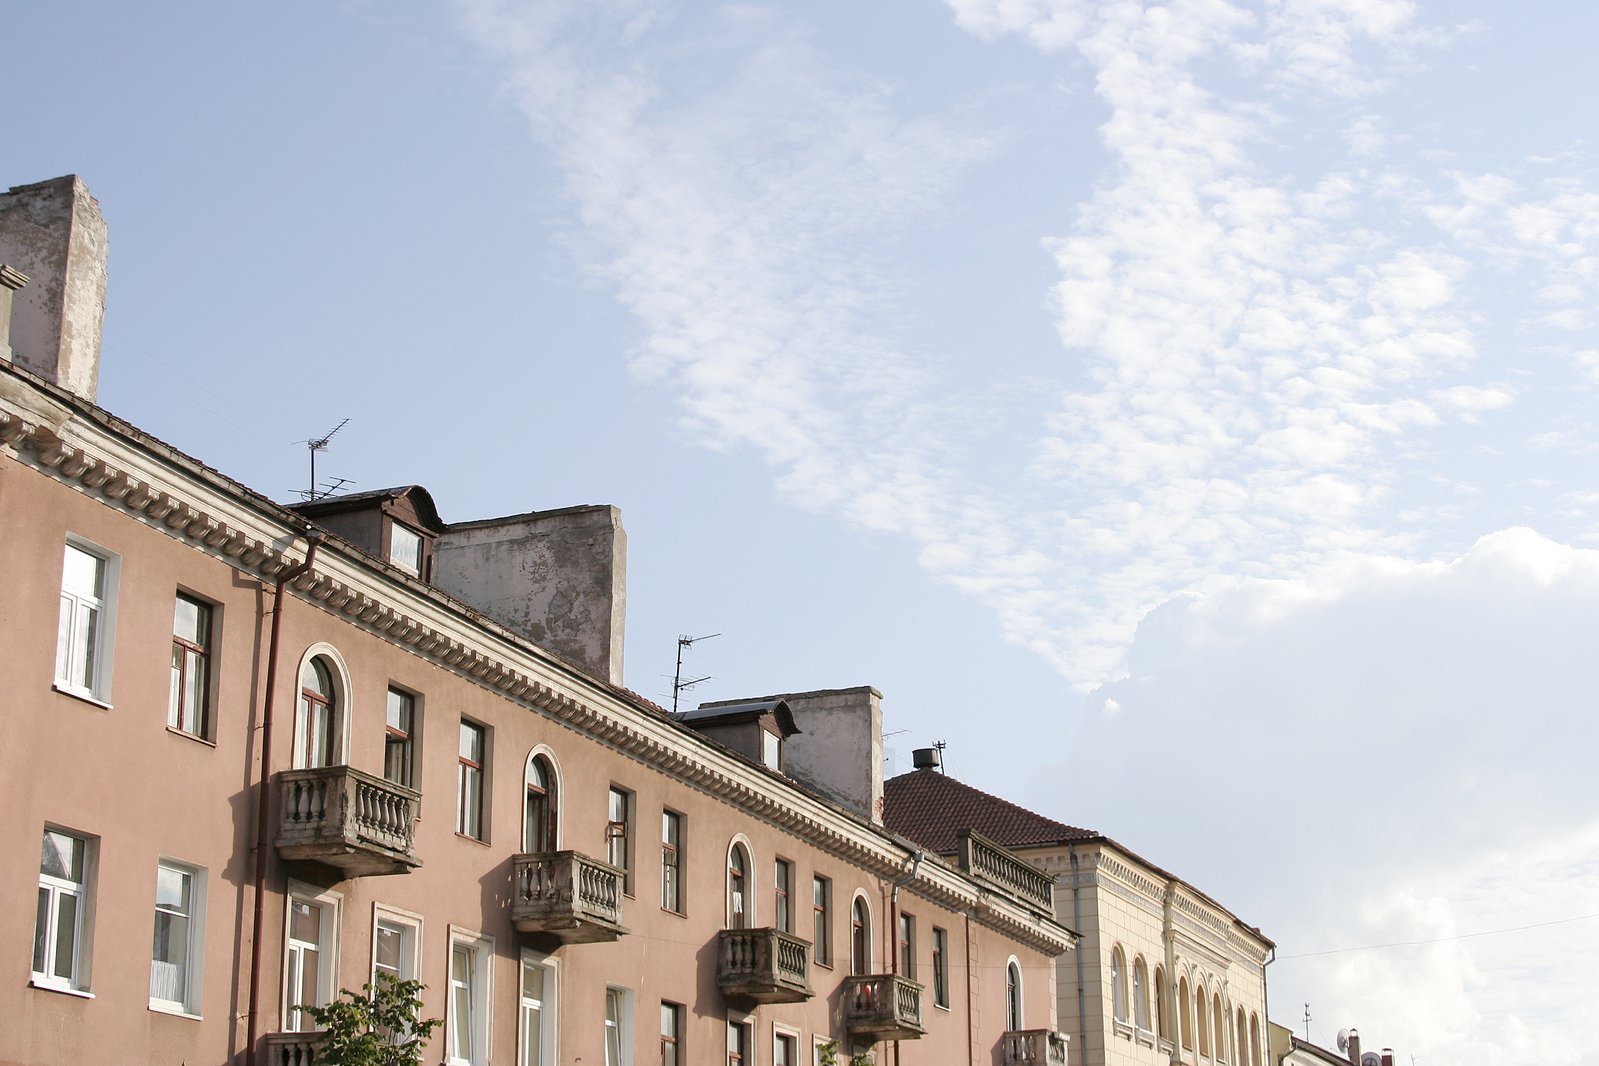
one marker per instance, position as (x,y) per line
(1162,1010)
(1203,1017)
(1185,1014)
(1220,1027)
(316,716)
(1118,984)
(1254,1040)
(541,806)
(1140,994)
(1241,1037)
(738,887)
(1013,996)
(860,938)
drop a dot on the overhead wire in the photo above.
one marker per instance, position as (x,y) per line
(1440,939)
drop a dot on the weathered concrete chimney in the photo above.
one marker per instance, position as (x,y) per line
(838,752)
(53,233)
(557,577)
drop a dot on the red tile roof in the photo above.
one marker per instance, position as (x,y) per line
(933,810)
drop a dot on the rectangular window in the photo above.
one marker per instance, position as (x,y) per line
(618,1027)
(619,833)
(785,1049)
(83,636)
(738,1043)
(405,548)
(672,861)
(783,887)
(60,940)
(821,920)
(176,953)
(907,946)
(310,964)
(940,967)
(469,781)
(396,944)
(536,1035)
(189,708)
(772,750)
(671,1034)
(399,738)
(467,1011)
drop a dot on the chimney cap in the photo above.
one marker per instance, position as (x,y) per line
(926,759)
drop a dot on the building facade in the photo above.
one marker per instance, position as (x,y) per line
(264,753)
(1162,973)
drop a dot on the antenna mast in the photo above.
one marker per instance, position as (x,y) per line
(678,684)
(320,444)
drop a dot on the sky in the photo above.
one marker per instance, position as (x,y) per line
(1185,410)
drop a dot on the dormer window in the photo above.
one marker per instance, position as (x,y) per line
(405,549)
(772,749)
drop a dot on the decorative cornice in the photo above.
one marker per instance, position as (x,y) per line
(214,516)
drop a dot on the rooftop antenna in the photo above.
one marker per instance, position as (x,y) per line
(939,745)
(678,684)
(320,444)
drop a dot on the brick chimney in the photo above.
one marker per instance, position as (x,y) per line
(53,234)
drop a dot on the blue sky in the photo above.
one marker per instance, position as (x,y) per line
(1183,410)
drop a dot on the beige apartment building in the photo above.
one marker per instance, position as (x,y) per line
(1162,973)
(263,753)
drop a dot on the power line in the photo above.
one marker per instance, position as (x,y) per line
(1439,940)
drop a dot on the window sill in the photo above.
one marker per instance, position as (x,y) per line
(63,989)
(476,840)
(186,735)
(173,1011)
(1122,1029)
(675,914)
(1145,1036)
(942,1006)
(82,694)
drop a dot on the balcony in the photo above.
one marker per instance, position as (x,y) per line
(883,1007)
(291,1049)
(567,895)
(1035,1047)
(993,865)
(349,819)
(763,966)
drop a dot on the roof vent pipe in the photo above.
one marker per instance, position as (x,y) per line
(926,759)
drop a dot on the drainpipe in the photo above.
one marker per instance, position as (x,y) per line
(1265,1006)
(1168,933)
(1077,926)
(971,1037)
(893,921)
(313,539)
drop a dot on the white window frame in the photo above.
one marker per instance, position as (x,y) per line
(188,1003)
(343,699)
(749,889)
(785,902)
(619,833)
(622,1024)
(549,1010)
(552,796)
(480,997)
(1019,1006)
(410,926)
(465,769)
(332,904)
(98,664)
(83,917)
(939,958)
(818,1043)
(794,1036)
(672,872)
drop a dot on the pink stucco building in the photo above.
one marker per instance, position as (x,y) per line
(265,752)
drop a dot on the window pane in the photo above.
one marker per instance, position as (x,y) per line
(63,856)
(66,931)
(305,922)
(82,572)
(471,742)
(41,930)
(400,707)
(387,950)
(191,620)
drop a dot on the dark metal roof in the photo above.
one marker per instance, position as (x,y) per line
(730,713)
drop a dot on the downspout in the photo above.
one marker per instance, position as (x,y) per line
(1168,933)
(1077,927)
(263,796)
(971,1036)
(893,921)
(1265,1005)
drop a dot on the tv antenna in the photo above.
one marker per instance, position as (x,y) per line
(320,444)
(678,684)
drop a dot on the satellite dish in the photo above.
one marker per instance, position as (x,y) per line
(1371,1058)
(1343,1040)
